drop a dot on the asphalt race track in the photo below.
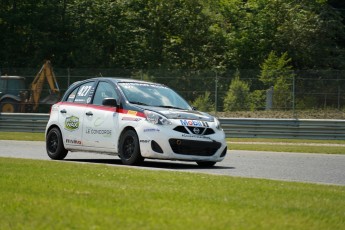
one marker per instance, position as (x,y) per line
(312,168)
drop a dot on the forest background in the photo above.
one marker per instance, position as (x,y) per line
(221,55)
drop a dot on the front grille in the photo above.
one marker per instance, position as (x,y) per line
(194,130)
(197,148)
(181,129)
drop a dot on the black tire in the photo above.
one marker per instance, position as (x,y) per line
(129,149)
(206,164)
(9,106)
(54,145)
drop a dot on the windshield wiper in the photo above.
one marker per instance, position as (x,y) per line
(169,107)
(137,103)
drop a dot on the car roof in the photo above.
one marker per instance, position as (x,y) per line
(121,80)
(113,79)
(11,77)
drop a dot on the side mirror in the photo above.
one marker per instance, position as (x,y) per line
(109,102)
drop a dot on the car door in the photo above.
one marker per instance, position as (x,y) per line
(71,115)
(101,122)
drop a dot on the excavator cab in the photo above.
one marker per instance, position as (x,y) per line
(13,89)
(12,85)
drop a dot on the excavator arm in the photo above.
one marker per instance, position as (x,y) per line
(46,73)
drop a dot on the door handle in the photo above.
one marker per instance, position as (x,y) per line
(63,111)
(89,113)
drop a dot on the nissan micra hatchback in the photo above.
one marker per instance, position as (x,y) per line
(134,120)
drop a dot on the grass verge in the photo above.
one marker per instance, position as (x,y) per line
(22,136)
(48,194)
(288,145)
(280,140)
(238,143)
(288,148)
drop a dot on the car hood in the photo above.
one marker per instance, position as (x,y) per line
(181,114)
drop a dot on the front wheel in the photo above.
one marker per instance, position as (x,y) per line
(206,163)
(54,145)
(9,106)
(129,149)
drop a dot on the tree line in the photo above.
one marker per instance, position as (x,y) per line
(222,36)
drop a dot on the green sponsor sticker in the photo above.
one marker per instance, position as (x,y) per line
(72,123)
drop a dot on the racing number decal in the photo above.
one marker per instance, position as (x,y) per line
(84,90)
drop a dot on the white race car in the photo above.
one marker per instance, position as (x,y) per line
(134,120)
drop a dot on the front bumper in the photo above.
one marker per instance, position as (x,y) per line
(163,142)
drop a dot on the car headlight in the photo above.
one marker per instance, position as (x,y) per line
(217,124)
(156,118)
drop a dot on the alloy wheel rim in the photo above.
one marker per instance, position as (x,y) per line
(53,142)
(129,147)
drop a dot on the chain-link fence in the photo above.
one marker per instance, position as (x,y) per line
(306,90)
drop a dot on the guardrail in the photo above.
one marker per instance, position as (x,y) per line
(284,128)
(23,122)
(233,127)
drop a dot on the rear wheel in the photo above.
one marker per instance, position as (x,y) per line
(206,163)
(9,106)
(129,149)
(54,145)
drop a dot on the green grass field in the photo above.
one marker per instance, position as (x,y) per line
(22,136)
(59,195)
(235,143)
(288,148)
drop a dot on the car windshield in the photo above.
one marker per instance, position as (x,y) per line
(153,95)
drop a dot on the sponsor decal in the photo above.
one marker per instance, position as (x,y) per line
(145,141)
(131,112)
(72,123)
(151,130)
(73,142)
(81,100)
(71,96)
(194,123)
(129,85)
(104,132)
(98,122)
(195,136)
(131,119)
(196,130)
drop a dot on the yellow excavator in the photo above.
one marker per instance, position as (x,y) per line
(14,96)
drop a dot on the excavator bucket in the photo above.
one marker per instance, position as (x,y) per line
(50,99)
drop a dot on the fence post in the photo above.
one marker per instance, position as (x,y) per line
(293,96)
(68,77)
(338,83)
(216,94)
(269,98)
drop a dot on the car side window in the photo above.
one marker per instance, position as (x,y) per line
(104,90)
(72,95)
(81,94)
